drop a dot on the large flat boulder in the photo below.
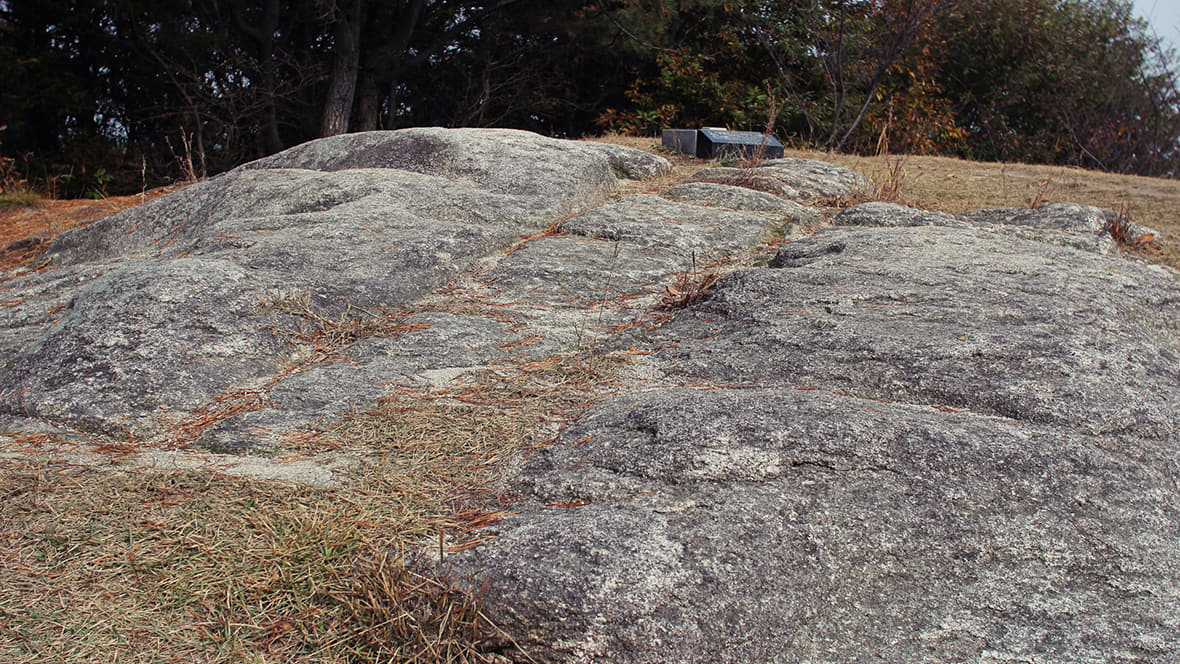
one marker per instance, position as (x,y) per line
(905,442)
(958,318)
(712,194)
(1067,224)
(166,312)
(557,177)
(798,525)
(679,227)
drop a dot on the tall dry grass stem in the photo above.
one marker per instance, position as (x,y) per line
(587,341)
(755,160)
(891,168)
(188,171)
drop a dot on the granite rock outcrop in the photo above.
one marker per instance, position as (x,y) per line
(872,434)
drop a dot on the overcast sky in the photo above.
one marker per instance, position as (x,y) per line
(1164,16)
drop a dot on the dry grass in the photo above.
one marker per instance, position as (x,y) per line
(691,287)
(15,192)
(316,338)
(146,568)
(952,185)
(18,198)
(152,567)
(26,231)
(143,567)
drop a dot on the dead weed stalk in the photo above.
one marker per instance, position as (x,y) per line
(747,169)
(15,191)
(689,289)
(189,172)
(1123,231)
(1038,196)
(890,178)
(755,160)
(587,342)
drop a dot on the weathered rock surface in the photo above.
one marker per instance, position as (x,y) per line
(912,442)
(915,445)
(962,319)
(1065,224)
(677,227)
(147,316)
(802,180)
(554,178)
(738,198)
(877,213)
(913,437)
(799,525)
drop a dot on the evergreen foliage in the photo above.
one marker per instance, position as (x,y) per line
(114,95)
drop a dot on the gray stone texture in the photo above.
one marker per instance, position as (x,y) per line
(912,437)
(799,525)
(678,227)
(964,319)
(728,196)
(800,180)
(140,343)
(1065,224)
(144,317)
(908,441)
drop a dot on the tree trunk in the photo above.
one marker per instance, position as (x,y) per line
(345,70)
(263,36)
(366,103)
(387,58)
(383,62)
(270,23)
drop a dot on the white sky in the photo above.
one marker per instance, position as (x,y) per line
(1163,15)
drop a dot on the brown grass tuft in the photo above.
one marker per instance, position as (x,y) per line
(890,179)
(889,173)
(409,614)
(692,287)
(1121,231)
(324,339)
